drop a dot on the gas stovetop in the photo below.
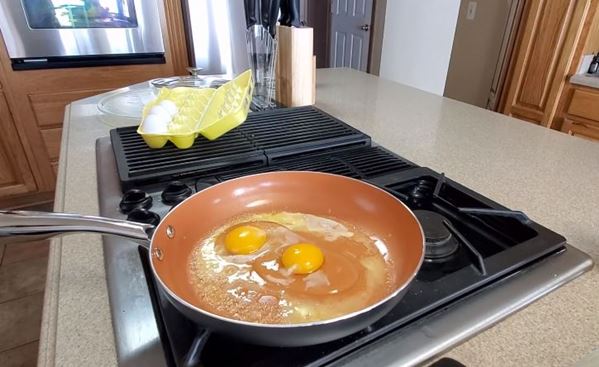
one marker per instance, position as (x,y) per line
(483,261)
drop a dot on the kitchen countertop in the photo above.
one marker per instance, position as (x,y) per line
(588,80)
(549,175)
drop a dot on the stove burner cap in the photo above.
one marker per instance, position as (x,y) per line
(135,199)
(144,216)
(175,192)
(439,241)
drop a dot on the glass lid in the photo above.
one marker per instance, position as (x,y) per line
(195,80)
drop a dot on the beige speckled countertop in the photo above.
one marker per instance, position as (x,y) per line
(586,80)
(553,177)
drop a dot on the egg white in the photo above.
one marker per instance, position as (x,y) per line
(161,112)
(154,124)
(169,106)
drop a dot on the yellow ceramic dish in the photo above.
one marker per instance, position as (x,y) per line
(209,112)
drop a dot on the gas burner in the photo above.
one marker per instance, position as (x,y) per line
(175,192)
(440,242)
(135,199)
(144,216)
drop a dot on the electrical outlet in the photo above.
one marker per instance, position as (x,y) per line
(471,12)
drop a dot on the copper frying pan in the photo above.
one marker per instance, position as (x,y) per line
(173,239)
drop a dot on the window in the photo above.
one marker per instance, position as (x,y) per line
(57,14)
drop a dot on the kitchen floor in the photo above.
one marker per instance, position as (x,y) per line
(22,282)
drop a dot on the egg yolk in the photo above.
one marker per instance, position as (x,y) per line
(303,258)
(244,240)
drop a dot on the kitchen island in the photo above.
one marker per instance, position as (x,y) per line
(547,174)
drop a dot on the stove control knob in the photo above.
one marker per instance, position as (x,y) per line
(175,192)
(144,216)
(135,199)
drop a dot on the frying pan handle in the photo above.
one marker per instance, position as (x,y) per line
(23,226)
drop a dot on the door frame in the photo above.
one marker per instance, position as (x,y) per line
(507,57)
(377,26)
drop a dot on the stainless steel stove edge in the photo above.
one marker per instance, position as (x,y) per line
(436,334)
(138,342)
(135,328)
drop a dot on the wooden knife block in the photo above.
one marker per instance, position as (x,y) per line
(296,67)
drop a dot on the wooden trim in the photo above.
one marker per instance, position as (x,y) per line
(505,69)
(52,142)
(376,37)
(175,35)
(513,63)
(591,45)
(55,167)
(26,200)
(12,158)
(524,118)
(27,130)
(527,112)
(583,120)
(14,152)
(532,10)
(573,38)
(568,90)
(575,128)
(564,102)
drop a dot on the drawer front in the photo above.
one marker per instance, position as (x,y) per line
(15,174)
(581,129)
(585,104)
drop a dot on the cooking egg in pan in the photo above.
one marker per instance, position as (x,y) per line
(288,268)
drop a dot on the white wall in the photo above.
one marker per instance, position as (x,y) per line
(417,42)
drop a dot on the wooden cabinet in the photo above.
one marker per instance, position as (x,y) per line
(15,174)
(48,110)
(33,102)
(547,46)
(578,108)
(582,129)
(585,104)
(581,117)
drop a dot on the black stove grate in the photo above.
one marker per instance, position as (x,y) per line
(363,163)
(289,131)
(263,137)
(138,164)
(374,161)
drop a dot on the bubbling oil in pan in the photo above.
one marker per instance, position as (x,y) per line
(252,283)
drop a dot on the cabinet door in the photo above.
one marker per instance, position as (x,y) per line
(15,175)
(550,31)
